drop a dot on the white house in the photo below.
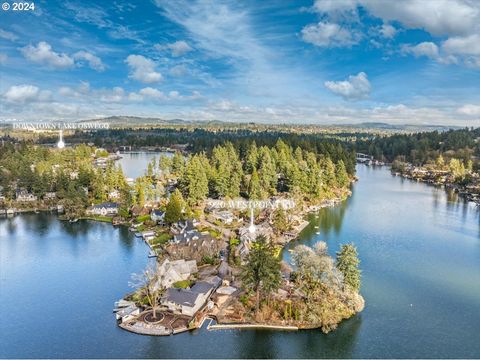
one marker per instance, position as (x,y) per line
(148,235)
(172,271)
(25,196)
(50,196)
(224,216)
(157,215)
(104,209)
(114,195)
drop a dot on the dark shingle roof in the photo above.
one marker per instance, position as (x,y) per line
(107,205)
(202,287)
(181,296)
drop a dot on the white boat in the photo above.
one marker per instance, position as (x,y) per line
(318,232)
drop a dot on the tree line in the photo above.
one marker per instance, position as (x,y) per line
(257,173)
(421,148)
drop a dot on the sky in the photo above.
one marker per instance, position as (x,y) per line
(302,62)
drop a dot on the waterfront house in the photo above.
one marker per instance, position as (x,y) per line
(182,301)
(157,215)
(189,301)
(114,195)
(224,216)
(148,235)
(50,196)
(247,237)
(170,272)
(104,209)
(24,196)
(185,231)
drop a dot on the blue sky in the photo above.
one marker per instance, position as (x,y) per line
(315,62)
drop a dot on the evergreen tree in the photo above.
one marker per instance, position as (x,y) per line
(178,163)
(254,188)
(165,164)
(175,208)
(251,158)
(328,172)
(347,263)
(267,171)
(341,174)
(195,181)
(280,221)
(262,270)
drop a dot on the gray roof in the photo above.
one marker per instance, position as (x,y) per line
(202,287)
(181,296)
(107,205)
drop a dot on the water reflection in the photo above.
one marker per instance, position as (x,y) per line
(127,238)
(326,220)
(420,253)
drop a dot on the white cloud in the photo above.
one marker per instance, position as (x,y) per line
(179,70)
(469,45)
(114,95)
(143,69)
(223,30)
(3,58)
(355,88)
(177,48)
(149,93)
(329,6)
(152,93)
(43,54)
(428,49)
(438,17)
(7,35)
(388,31)
(93,61)
(325,34)
(81,90)
(440,54)
(20,94)
(469,109)
(458,20)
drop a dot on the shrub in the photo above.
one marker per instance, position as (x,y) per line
(142,218)
(182,284)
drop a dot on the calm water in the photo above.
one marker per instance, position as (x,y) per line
(134,164)
(420,252)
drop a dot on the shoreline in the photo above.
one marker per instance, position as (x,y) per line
(141,328)
(462,190)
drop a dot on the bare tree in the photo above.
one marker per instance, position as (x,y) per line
(148,286)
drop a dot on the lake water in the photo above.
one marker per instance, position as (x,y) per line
(135,163)
(420,253)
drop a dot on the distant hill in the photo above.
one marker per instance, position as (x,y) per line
(405,127)
(125,121)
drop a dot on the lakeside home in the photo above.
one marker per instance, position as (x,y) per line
(190,301)
(23,195)
(103,209)
(157,216)
(171,272)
